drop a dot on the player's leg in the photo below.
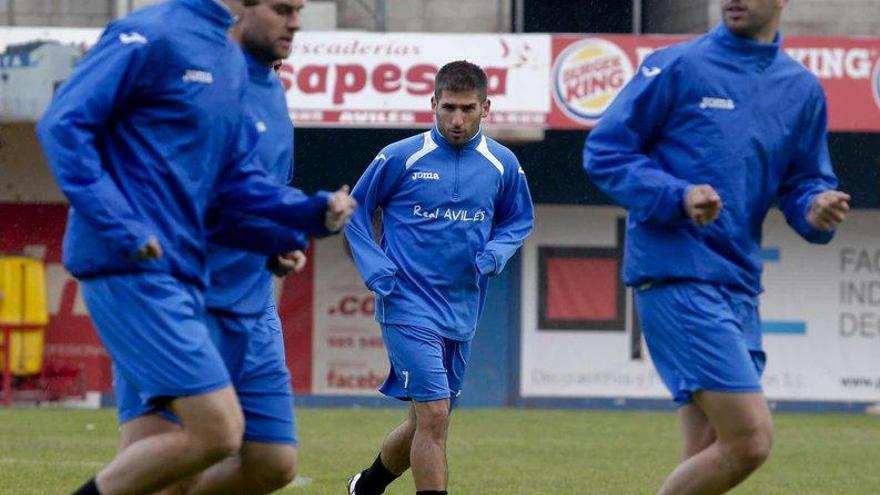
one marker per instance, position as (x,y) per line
(151,325)
(144,426)
(393,460)
(259,468)
(428,451)
(138,421)
(417,373)
(396,446)
(267,460)
(745,434)
(210,432)
(665,348)
(696,430)
(705,342)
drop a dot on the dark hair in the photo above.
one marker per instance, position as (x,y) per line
(461,76)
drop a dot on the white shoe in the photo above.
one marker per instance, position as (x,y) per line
(352,482)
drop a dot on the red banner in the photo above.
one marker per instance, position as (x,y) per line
(588,72)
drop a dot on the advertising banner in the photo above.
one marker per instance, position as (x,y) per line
(588,71)
(378,80)
(537,81)
(348,356)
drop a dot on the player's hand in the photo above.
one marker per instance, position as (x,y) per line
(828,209)
(285,264)
(152,250)
(340,207)
(703,204)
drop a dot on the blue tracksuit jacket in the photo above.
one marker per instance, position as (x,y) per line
(239,281)
(451,216)
(721,110)
(148,132)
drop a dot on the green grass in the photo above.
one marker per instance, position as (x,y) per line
(502,451)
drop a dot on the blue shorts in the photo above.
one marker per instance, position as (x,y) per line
(425,366)
(153,327)
(702,337)
(253,349)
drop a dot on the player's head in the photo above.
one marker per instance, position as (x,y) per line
(266,28)
(756,19)
(460,100)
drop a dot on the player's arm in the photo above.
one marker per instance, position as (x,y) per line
(253,234)
(246,189)
(807,195)
(615,155)
(110,75)
(514,219)
(372,191)
(284,248)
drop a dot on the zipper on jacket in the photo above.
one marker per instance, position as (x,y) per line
(457,162)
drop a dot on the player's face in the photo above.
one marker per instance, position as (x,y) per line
(268,28)
(751,18)
(458,115)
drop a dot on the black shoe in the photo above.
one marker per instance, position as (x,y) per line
(352,482)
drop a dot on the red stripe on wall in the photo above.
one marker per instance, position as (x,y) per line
(295,310)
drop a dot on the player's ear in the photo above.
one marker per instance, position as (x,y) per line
(485,105)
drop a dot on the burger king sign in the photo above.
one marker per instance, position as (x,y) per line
(587,77)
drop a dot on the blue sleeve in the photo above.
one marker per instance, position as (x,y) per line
(256,235)
(246,189)
(372,191)
(616,150)
(810,172)
(514,219)
(103,83)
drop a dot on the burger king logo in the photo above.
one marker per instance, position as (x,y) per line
(588,75)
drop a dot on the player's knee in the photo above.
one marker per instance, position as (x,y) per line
(272,473)
(276,475)
(750,451)
(222,438)
(221,446)
(433,418)
(756,450)
(182,487)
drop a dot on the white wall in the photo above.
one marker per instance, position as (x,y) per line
(428,15)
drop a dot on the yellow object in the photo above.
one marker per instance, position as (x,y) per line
(27,352)
(23,306)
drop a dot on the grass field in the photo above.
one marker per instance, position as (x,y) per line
(502,451)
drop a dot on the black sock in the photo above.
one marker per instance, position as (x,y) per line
(90,488)
(431,492)
(375,479)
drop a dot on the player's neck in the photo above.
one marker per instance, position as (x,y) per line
(767,33)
